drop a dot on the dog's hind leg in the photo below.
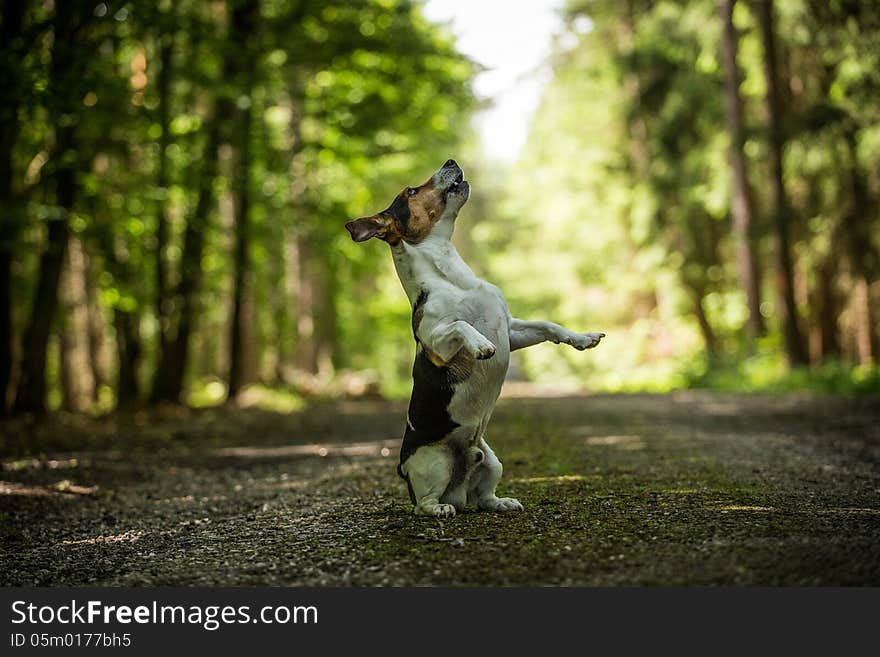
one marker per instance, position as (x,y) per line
(485,480)
(429,471)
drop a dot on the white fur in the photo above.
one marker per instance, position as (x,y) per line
(429,470)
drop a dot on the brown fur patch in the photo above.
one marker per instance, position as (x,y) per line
(392,233)
(460,367)
(434,358)
(410,217)
(426,206)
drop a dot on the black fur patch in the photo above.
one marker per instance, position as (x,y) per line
(399,210)
(433,387)
(418,312)
(428,414)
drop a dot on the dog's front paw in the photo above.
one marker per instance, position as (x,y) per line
(435,510)
(500,504)
(581,341)
(482,349)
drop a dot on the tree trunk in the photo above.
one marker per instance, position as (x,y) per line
(315,308)
(64,75)
(639,152)
(171,368)
(31,390)
(243,28)
(128,349)
(126,323)
(862,314)
(279,294)
(779,206)
(742,207)
(77,376)
(827,311)
(10,219)
(326,318)
(306,346)
(98,356)
(862,255)
(163,85)
(705,327)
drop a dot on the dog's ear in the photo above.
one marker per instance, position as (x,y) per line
(366,227)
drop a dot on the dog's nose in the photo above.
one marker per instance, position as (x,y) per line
(450,163)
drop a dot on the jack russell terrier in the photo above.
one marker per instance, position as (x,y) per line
(464,335)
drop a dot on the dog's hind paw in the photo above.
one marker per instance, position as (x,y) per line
(500,504)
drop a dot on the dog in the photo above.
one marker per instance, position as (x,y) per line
(464,335)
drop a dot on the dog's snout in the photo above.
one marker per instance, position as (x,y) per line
(450,163)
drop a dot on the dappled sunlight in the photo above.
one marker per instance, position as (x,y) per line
(62,488)
(190,499)
(15,465)
(555,479)
(12,488)
(281,482)
(852,511)
(267,399)
(372,448)
(625,442)
(133,535)
(123,537)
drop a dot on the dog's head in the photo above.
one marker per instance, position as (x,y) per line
(417,211)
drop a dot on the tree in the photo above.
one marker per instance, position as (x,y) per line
(12,89)
(171,367)
(779,204)
(243,31)
(64,90)
(862,255)
(166,39)
(741,205)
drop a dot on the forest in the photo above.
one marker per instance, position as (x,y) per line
(700,182)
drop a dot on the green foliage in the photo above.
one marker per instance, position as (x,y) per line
(768,372)
(617,215)
(350,99)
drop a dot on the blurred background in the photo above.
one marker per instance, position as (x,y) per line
(699,180)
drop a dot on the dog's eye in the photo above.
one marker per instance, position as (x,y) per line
(411,191)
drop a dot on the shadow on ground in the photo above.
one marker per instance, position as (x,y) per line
(682,489)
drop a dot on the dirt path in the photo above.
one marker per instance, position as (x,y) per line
(690,488)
